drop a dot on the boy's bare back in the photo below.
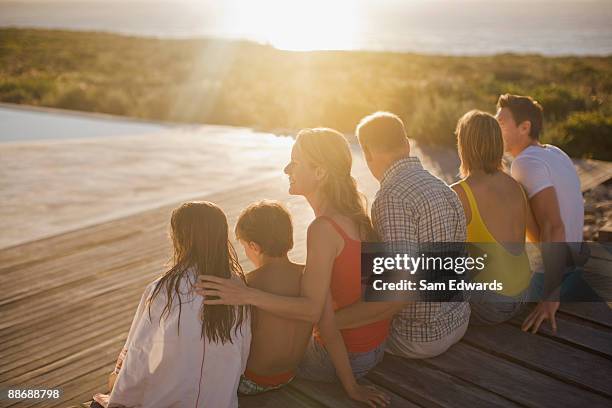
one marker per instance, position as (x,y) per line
(278,343)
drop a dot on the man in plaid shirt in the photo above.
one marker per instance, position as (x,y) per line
(411,207)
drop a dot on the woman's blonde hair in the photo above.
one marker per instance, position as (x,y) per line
(328,149)
(479,142)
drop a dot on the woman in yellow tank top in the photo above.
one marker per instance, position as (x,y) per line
(505,206)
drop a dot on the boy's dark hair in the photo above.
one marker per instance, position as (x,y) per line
(268,224)
(523,108)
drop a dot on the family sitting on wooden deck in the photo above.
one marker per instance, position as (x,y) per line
(205,332)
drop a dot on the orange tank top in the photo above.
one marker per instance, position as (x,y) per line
(346,289)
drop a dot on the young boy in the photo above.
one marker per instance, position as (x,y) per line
(265,231)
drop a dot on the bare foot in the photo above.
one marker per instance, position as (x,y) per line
(102,399)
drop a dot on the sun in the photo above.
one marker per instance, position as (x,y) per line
(298,25)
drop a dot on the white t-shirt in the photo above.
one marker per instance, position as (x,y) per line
(165,369)
(537,168)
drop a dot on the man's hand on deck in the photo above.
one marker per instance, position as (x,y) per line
(545,310)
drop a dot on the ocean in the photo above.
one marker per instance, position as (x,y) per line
(459,27)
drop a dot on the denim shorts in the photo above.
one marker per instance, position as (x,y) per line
(490,308)
(573,287)
(316,364)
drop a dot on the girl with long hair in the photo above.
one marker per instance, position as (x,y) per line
(320,170)
(180,352)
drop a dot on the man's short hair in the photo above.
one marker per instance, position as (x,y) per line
(268,224)
(381,131)
(523,108)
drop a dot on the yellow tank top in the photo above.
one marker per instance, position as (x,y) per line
(501,265)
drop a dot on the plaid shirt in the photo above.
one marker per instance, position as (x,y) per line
(414,206)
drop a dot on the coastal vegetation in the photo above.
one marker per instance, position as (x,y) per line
(247,84)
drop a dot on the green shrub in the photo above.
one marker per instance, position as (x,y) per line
(76,98)
(435,119)
(24,89)
(558,101)
(583,134)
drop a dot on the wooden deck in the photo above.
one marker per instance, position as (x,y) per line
(67,302)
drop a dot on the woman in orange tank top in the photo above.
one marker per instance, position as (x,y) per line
(345,290)
(320,170)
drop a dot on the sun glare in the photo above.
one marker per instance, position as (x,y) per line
(298,25)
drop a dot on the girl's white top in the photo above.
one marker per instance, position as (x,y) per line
(166,369)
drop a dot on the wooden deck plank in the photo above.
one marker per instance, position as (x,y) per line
(279,398)
(78,382)
(592,172)
(72,365)
(576,332)
(20,364)
(429,387)
(47,331)
(543,354)
(333,395)
(42,309)
(595,312)
(285,397)
(515,382)
(81,389)
(69,272)
(57,351)
(50,324)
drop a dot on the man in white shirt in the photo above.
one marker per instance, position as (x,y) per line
(550,181)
